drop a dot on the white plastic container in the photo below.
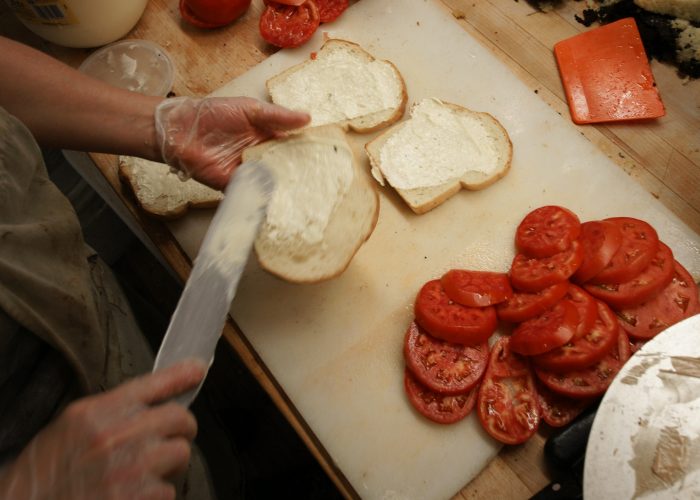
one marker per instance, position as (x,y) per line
(136,65)
(79,23)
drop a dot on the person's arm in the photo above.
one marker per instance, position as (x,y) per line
(67,109)
(64,108)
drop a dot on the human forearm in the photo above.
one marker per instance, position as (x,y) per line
(64,108)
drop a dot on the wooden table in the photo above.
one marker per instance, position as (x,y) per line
(663,156)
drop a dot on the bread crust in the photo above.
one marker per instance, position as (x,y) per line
(341,240)
(354,124)
(424,199)
(131,181)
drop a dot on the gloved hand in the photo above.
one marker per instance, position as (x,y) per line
(122,444)
(204,138)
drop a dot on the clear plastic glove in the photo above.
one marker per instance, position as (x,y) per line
(122,444)
(204,138)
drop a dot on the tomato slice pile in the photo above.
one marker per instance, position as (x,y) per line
(567,341)
(291,23)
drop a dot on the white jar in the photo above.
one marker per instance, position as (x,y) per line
(79,23)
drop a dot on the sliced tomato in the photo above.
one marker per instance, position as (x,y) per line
(642,287)
(330,10)
(476,288)
(531,275)
(639,245)
(288,25)
(586,307)
(592,381)
(558,410)
(295,3)
(636,344)
(453,322)
(546,231)
(507,402)
(551,329)
(523,305)
(440,408)
(583,351)
(600,240)
(442,366)
(677,301)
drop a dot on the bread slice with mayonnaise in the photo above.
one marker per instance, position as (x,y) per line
(323,209)
(439,150)
(160,192)
(345,85)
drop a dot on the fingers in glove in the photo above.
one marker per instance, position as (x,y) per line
(167,459)
(163,384)
(164,421)
(272,117)
(157,490)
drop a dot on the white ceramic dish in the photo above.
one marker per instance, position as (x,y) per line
(645,440)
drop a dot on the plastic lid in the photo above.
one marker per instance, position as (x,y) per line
(136,65)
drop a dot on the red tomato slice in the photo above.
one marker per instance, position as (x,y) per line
(592,381)
(547,231)
(440,408)
(330,10)
(507,402)
(523,305)
(558,410)
(287,25)
(586,307)
(551,329)
(677,301)
(532,275)
(446,320)
(212,13)
(645,285)
(295,3)
(442,366)
(476,288)
(601,240)
(639,245)
(587,350)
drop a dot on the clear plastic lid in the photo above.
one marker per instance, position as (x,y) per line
(136,65)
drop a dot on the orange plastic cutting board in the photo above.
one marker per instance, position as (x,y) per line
(606,75)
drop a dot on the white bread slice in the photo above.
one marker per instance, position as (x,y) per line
(439,150)
(160,192)
(323,209)
(343,85)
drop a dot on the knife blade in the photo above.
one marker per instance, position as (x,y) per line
(200,314)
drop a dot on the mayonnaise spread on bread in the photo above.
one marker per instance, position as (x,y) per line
(311,176)
(340,87)
(435,146)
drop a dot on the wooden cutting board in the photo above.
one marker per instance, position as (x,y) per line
(335,348)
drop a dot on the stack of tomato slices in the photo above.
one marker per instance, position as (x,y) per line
(579,298)
(291,23)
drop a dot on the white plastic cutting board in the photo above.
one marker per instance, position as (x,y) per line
(336,348)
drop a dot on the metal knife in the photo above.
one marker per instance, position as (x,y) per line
(199,317)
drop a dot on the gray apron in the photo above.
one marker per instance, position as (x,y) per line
(65,327)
